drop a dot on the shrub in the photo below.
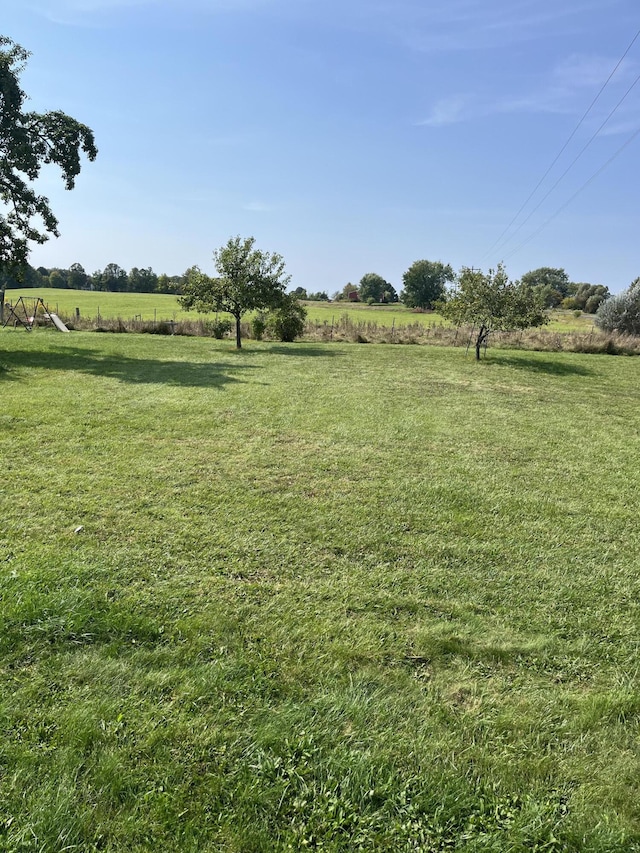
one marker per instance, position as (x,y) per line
(570,303)
(621,313)
(220,327)
(258,326)
(287,322)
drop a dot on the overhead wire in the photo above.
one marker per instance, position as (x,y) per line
(575,159)
(575,195)
(562,150)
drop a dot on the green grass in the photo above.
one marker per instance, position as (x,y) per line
(149,306)
(331,597)
(128,305)
(386,315)
(564,321)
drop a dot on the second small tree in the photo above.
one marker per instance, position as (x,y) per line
(491,303)
(248,279)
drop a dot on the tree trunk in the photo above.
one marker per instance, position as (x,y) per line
(238,339)
(482,336)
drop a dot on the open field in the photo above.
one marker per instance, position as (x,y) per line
(320,597)
(561,321)
(150,306)
(147,306)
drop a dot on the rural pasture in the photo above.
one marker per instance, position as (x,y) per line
(150,306)
(325,597)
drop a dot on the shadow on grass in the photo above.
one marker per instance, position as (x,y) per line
(542,365)
(305,351)
(132,370)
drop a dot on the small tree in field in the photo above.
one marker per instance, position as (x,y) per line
(248,279)
(491,303)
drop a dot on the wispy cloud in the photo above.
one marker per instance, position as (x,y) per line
(258,207)
(566,90)
(461,25)
(435,26)
(85,11)
(64,8)
(448,111)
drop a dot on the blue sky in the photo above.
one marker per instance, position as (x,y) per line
(351,137)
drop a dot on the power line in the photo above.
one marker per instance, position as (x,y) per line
(564,147)
(575,160)
(576,193)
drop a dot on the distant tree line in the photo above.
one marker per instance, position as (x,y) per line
(558,292)
(424,284)
(112,278)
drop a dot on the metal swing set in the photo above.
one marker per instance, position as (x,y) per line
(18,314)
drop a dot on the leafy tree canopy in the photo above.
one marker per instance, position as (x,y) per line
(554,277)
(552,282)
(112,278)
(29,140)
(489,302)
(374,288)
(586,297)
(142,280)
(248,279)
(425,283)
(57,279)
(77,277)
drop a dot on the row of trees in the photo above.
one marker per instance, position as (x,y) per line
(426,282)
(112,278)
(558,291)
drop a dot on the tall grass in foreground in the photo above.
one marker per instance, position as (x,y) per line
(307,597)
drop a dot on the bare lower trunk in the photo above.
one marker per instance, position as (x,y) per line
(238,338)
(483,334)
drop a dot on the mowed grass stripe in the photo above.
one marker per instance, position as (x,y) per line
(351,597)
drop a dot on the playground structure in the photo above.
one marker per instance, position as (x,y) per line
(19,315)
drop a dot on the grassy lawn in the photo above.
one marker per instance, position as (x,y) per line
(320,597)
